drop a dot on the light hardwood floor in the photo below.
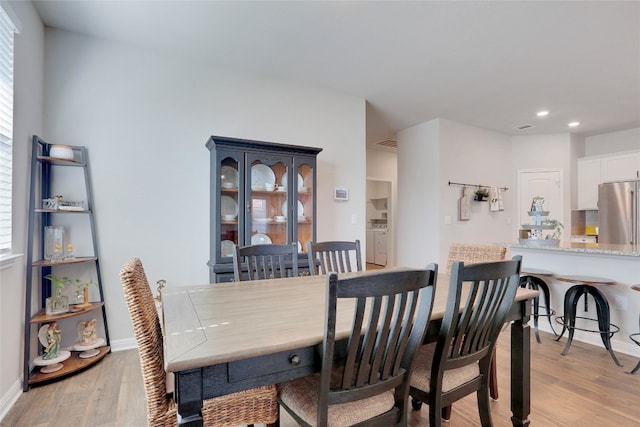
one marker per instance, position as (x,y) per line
(584,388)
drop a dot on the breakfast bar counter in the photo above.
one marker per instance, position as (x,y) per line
(619,263)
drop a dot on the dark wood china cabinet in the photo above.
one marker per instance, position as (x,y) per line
(261,193)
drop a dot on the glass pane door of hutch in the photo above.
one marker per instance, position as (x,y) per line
(305,205)
(229,182)
(269,203)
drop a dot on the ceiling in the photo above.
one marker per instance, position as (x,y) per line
(488,64)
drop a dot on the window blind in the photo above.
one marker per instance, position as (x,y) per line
(7,30)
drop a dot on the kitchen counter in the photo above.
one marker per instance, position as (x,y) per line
(620,263)
(585,248)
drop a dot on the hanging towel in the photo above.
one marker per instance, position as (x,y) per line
(493,199)
(500,202)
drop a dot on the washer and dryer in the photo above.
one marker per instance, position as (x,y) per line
(376,251)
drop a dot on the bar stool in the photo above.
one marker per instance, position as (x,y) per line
(587,286)
(635,337)
(535,278)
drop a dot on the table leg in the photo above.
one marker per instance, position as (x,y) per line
(521,368)
(189,399)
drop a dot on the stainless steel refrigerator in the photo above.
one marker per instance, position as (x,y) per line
(618,213)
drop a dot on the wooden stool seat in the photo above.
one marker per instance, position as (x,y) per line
(535,278)
(585,286)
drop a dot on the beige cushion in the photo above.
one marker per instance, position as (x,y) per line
(301,395)
(451,379)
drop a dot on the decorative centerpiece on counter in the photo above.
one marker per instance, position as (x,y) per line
(535,234)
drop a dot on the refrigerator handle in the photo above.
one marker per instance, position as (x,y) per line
(635,205)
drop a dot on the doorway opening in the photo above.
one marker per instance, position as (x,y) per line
(378,245)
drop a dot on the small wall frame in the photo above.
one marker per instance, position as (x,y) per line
(341,193)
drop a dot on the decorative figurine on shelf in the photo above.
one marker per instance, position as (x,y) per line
(87,332)
(54,336)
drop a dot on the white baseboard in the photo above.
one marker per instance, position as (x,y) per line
(124,344)
(10,398)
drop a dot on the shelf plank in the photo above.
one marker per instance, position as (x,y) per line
(57,161)
(60,211)
(41,317)
(76,260)
(69,366)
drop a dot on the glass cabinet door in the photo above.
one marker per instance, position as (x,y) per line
(305,208)
(268,207)
(229,205)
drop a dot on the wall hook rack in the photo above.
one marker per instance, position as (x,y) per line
(474,185)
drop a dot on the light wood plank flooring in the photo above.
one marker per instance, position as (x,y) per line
(584,388)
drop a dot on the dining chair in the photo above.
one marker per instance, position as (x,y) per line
(338,256)
(458,364)
(365,372)
(264,261)
(257,405)
(471,253)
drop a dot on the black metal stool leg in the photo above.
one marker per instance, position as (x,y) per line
(569,296)
(634,370)
(570,304)
(602,308)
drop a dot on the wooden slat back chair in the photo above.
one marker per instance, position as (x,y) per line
(258,405)
(338,256)
(364,380)
(472,254)
(264,261)
(458,363)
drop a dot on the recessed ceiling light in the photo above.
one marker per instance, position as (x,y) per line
(574,124)
(542,113)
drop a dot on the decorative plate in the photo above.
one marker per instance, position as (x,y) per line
(300,209)
(260,239)
(284,180)
(260,175)
(228,206)
(228,177)
(226,248)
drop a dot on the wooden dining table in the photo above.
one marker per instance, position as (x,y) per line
(227,337)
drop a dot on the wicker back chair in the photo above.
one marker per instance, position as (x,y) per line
(325,257)
(473,254)
(252,406)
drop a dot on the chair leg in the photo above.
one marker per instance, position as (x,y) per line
(484,407)
(493,377)
(446,413)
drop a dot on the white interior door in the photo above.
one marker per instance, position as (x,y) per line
(540,183)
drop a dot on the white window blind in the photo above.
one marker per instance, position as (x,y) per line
(7,30)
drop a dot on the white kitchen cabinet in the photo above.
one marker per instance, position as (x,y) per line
(621,167)
(589,177)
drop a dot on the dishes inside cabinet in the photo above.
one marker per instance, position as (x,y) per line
(228,208)
(228,177)
(284,180)
(260,239)
(300,209)
(261,175)
(226,248)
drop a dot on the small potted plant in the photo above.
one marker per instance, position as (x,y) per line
(481,193)
(82,293)
(57,303)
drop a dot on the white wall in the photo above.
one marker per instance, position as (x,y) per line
(28,92)
(472,155)
(145,119)
(429,156)
(613,142)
